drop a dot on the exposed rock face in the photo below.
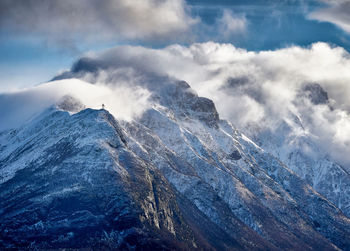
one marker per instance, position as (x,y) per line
(316,94)
(176,178)
(85,188)
(70,104)
(235,155)
(302,155)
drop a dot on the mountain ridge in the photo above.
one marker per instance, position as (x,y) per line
(177,161)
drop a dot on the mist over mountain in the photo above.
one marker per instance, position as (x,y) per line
(162,167)
(248,88)
(174,125)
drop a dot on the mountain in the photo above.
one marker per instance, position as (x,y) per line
(301,152)
(177,177)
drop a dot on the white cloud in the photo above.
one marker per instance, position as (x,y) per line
(65,21)
(230,24)
(264,87)
(336,12)
(124,102)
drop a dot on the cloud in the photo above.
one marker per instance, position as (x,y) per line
(124,102)
(304,88)
(336,12)
(230,24)
(66,22)
(264,89)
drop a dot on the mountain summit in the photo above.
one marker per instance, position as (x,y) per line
(176,177)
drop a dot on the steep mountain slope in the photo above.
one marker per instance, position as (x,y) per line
(289,112)
(176,177)
(83,187)
(235,157)
(292,143)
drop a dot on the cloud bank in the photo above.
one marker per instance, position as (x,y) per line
(19,107)
(80,24)
(65,21)
(307,88)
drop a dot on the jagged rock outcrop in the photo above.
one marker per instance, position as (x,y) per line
(315,93)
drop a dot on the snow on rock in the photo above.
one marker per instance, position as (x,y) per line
(176,177)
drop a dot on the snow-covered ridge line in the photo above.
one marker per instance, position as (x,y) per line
(145,179)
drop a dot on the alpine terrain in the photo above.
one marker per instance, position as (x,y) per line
(175,177)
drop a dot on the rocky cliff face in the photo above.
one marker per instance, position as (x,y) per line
(301,153)
(176,178)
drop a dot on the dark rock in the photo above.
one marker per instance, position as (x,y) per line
(316,94)
(70,104)
(235,155)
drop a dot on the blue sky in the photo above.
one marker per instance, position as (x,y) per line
(36,42)
(273,24)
